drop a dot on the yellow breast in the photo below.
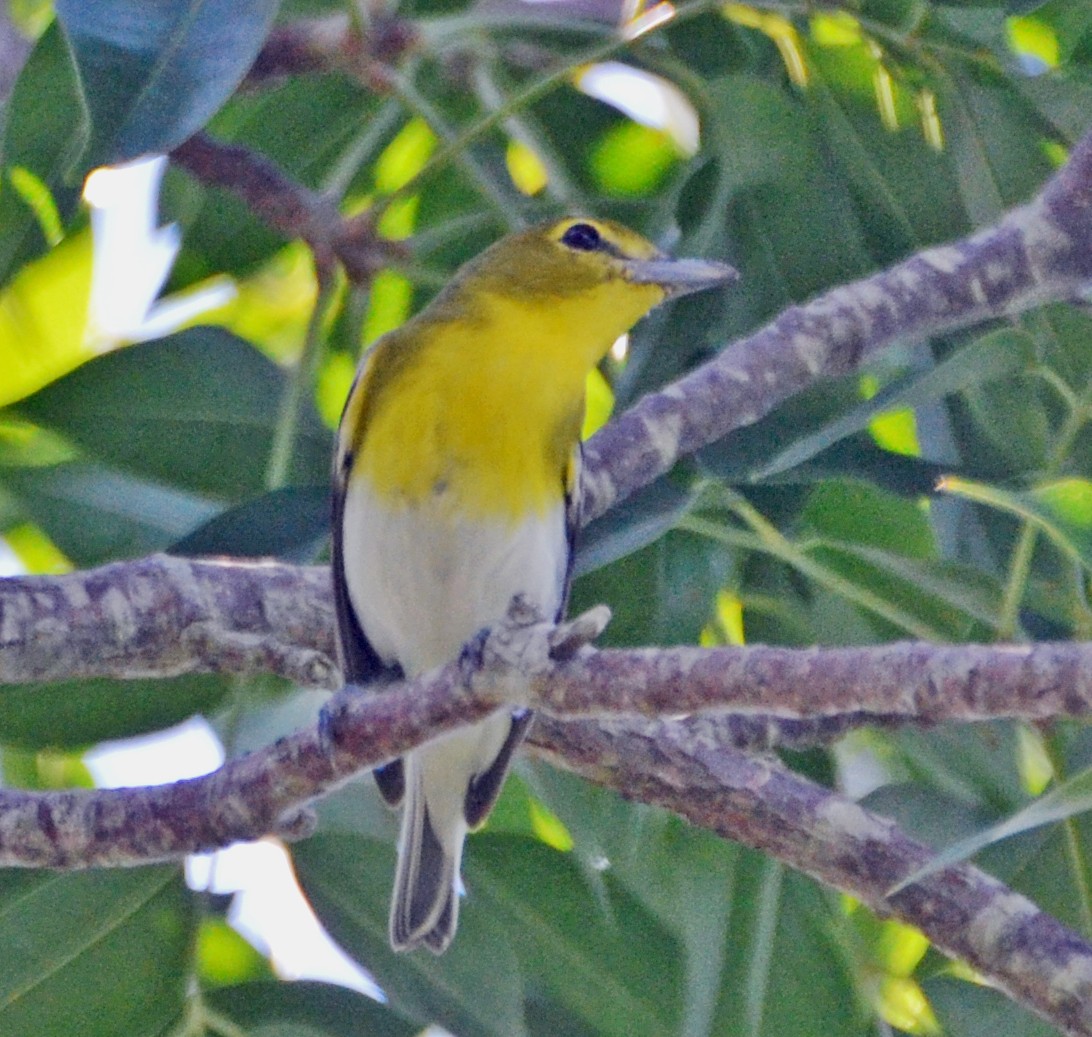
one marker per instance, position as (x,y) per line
(482,413)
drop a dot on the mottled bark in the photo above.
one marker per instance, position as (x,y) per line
(758,802)
(162,616)
(1037,253)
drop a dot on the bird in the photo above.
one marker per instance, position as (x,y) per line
(456,488)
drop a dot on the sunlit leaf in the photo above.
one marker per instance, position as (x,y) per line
(43,314)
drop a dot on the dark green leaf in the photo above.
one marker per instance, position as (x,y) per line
(661,594)
(967,1009)
(784,971)
(292,523)
(304,126)
(99,953)
(196,410)
(593,945)
(45,131)
(471,990)
(74,714)
(95,514)
(155,71)
(270,1009)
(1069,799)
(635,523)
(858,513)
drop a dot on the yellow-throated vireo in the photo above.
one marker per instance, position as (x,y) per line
(457,487)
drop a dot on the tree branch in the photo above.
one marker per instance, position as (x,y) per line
(1038,253)
(290,208)
(681,765)
(163,616)
(168,616)
(758,802)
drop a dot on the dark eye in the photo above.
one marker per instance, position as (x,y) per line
(582,236)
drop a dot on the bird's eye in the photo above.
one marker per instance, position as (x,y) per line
(582,236)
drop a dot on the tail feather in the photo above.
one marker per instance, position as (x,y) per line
(450,786)
(424,908)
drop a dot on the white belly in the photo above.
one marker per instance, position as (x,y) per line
(423,583)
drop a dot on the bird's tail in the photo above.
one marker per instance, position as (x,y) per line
(450,786)
(425,905)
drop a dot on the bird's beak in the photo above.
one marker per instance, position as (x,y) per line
(679,276)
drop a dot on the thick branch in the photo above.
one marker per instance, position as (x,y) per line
(683,766)
(265,791)
(1039,253)
(756,801)
(162,616)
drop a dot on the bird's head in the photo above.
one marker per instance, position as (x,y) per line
(574,256)
(583,278)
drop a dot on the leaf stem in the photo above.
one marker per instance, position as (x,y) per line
(1008,621)
(769,540)
(539,88)
(301,380)
(1074,843)
(455,146)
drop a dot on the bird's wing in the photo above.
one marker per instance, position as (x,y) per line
(360,663)
(574,500)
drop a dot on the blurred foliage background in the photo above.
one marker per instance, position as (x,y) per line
(807,145)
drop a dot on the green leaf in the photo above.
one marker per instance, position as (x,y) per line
(224,957)
(98,953)
(684,875)
(155,71)
(95,514)
(785,972)
(967,1009)
(631,160)
(559,925)
(196,410)
(292,523)
(75,714)
(305,125)
(45,131)
(472,989)
(1071,797)
(952,586)
(1062,509)
(661,594)
(974,764)
(43,317)
(635,523)
(854,512)
(988,358)
(319,1009)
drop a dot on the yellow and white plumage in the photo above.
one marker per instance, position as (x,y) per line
(456,488)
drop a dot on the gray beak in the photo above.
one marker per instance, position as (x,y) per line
(680,276)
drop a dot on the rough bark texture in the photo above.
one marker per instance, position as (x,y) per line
(1037,253)
(758,802)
